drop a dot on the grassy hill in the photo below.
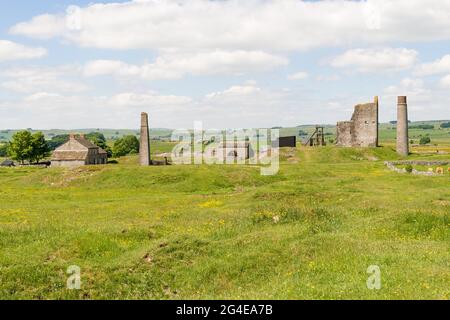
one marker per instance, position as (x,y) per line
(188,232)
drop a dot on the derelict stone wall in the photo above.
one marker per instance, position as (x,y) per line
(362,129)
(344,133)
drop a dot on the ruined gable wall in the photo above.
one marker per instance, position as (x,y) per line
(365,125)
(362,130)
(344,133)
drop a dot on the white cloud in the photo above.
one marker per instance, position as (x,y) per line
(47,110)
(327,78)
(148,99)
(14,51)
(432,68)
(376,60)
(42,79)
(39,96)
(42,27)
(244,25)
(236,91)
(420,98)
(298,76)
(110,67)
(175,66)
(445,82)
(425,101)
(408,87)
(203,37)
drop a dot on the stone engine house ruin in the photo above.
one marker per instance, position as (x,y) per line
(362,129)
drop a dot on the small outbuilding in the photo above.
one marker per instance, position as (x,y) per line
(240,150)
(78,151)
(285,142)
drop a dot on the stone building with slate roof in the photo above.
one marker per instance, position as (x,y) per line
(78,151)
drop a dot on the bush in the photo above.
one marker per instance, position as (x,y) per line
(302,133)
(409,168)
(445,125)
(425,140)
(422,126)
(126,145)
(3,150)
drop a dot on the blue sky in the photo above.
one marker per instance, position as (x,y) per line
(77,64)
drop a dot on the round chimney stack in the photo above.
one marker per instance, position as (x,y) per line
(401,100)
(144,147)
(402,127)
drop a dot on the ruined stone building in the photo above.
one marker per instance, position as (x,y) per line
(231,151)
(78,151)
(362,129)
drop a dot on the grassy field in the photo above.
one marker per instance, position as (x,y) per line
(202,232)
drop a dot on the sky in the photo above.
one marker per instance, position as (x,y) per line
(228,63)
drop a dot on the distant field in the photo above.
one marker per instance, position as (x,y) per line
(387,132)
(202,232)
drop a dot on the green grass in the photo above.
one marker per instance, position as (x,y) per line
(204,232)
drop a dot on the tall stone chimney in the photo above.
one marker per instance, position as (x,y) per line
(402,127)
(377,120)
(144,148)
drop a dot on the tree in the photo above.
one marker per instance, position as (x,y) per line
(409,168)
(422,126)
(302,133)
(21,146)
(445,125)
(27,146)
(425,140)
(126,145)
(3,150)
(58,140)
(40,148)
